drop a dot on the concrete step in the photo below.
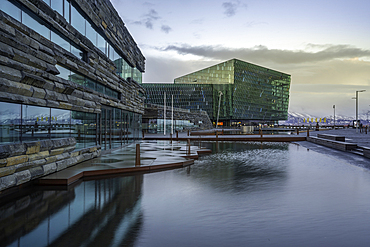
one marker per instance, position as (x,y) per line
(357,152)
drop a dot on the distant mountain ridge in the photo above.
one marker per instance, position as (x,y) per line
(297,118)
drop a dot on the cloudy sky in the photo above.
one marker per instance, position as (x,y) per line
(324,45)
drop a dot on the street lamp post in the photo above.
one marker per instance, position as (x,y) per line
(334,115)
(219,104)
(164,114)
(359,91)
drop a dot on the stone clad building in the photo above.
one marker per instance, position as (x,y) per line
(69,85)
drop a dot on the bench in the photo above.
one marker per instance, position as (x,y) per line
(343,146)
(332,137)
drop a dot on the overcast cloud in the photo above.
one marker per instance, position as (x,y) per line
(264,54)
(232,7)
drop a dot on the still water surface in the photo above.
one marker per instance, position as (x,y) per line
(241,195)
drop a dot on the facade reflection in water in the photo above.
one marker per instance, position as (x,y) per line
(93,213)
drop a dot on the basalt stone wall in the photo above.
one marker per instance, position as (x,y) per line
(26,161)
(29,75)
(28,72)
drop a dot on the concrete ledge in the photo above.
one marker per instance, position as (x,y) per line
(343,146)
(332,137)
(267,138)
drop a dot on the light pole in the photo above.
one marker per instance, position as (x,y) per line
(164,114)
(359,91)
(219,104)
(334,115)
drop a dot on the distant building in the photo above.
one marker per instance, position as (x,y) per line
(249,93)
(69,81)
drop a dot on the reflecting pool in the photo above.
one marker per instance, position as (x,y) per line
(244,194)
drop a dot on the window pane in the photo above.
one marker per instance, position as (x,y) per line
(100,88)
(60,41)
(114,94)
(35,25)
(60,123)
(108,91)
(35,123)
(77,20)
(66,10)
(91,84)
(47,2)
(111,52)
(84,128)
(57,5)
(10,122)
(91,34)
(101,43)
(78,79)
(11,9)
(64,73)
(77,52)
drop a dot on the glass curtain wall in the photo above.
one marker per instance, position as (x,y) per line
(10,122)
(110,129)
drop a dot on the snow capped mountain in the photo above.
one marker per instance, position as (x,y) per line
(301,118)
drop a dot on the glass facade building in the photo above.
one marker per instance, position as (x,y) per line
(248,92)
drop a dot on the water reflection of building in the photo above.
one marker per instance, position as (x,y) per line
(69,68)
(94,213)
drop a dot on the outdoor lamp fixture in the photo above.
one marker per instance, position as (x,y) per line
(359,91)
(334,116)
(219,104)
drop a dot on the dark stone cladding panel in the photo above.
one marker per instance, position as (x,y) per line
(27,63)
(105,16)
(23,162)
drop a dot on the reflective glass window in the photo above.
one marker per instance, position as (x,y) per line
(77,20)
(101,43)
(77,52)
(83,127)
(90,84)
(35,123)
(47,2)
(108,91)
(30,21)
(66,10)
(57,39)
(10,122)
(137,75)
(64,73)
(60,123)
(111,52)
(57,5)
(116,128)
(100,88)
(11,9)
(78,79)
(114,94)
(91,34)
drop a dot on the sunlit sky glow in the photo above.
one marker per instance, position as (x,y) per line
(324,45)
